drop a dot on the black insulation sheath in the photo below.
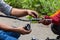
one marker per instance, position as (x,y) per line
(13,17)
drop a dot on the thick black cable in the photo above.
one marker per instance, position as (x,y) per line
(13,17)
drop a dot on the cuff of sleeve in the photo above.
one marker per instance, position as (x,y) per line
(5,8)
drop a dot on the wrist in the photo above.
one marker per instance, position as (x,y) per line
(15,30)
(12,30)
(26,11)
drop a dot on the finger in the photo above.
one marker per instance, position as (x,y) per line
(32,15)
(39,21)
(35,14)
(27,32)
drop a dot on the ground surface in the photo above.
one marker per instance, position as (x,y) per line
(39,31)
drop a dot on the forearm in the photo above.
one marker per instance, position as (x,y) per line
(8,28)
(19,12)
(8,10)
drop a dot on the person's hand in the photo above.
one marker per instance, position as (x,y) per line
(23,31)
(46,22)
(33,13)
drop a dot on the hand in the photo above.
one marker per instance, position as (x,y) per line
(23,31)
(46,22)
(33,13)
